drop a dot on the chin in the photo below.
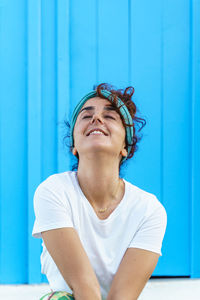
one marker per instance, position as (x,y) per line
(98,149)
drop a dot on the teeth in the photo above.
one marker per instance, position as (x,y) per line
(96,132)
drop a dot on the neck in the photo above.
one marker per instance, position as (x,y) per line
(99,181)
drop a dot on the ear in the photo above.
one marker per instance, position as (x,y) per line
(124,152)
(74,151)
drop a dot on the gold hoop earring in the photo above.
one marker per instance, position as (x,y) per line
(74,151)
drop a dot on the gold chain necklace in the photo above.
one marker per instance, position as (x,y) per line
(102,210)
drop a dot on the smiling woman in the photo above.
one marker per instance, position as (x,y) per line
(102,235)
(119,101)
(99,133)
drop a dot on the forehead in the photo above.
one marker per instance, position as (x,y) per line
(102,104)
(97,102)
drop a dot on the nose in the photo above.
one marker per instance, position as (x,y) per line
(97,117)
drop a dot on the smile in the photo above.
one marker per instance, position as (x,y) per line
(96,133)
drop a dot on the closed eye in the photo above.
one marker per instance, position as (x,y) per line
(110,117)
(86,117)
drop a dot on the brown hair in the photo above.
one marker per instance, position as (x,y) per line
(126,97)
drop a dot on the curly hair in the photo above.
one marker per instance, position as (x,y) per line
(126,97)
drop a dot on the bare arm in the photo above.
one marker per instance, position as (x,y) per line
(134,271)
(66,249)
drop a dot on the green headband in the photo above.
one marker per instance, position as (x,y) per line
(123,110)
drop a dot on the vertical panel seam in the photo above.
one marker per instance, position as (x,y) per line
(26,122)
(33,33)
(70,55)
(129,43)
(195,137)
(191,130)
(162,104)
(97,42)
(56,83)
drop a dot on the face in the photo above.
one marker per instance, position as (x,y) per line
(99,128)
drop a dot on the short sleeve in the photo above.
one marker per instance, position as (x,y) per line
(150,233)
(51,209)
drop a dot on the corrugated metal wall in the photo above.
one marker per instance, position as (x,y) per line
(51,54)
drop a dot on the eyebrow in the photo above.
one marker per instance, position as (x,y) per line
(107,107)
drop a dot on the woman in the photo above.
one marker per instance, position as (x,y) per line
(101,234)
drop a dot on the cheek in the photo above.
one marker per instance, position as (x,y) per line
(122,132)
(123,136)
(77,132)
(120,135)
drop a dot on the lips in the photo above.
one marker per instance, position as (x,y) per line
(96,129)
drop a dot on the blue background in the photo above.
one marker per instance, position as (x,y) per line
(51,54)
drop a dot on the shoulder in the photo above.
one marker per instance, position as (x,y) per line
(51,204)
(54,193)
(56,182)
(55,188)
(151,218)
(144,201)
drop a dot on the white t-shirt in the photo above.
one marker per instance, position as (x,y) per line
(139,221)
